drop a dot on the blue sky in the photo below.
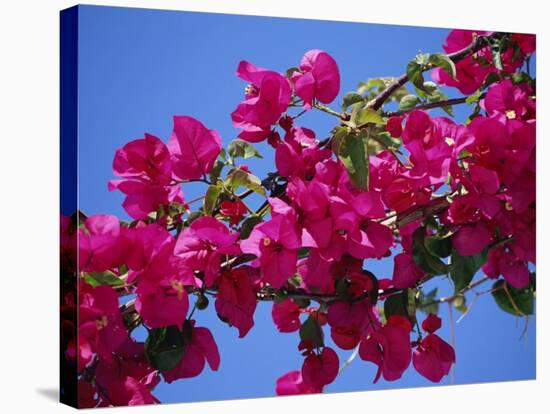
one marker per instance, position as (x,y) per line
(138,68)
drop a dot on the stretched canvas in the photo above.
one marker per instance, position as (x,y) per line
(256,206)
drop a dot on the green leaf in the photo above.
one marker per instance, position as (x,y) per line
(351,98)
(366,116)
(443,61)
(239,178)
(519,302)
(312,332)
(439,246)
(211,198)
(216,170)
(102,278)
(248,225)
(353,154)
(414,73)
(402,303)
(408,102)
(463,268)
(429,298)
(428,262)
(239,148)
(291,70)
(473,98)
(164,347)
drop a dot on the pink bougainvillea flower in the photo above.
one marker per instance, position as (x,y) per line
(299,153)
(371,240)
(127,379)
(275,243)
(193,148)
(143,198)
(406,273)
(433,358)
(526,42)
(318,78)
(292,383)
(167,306)
(99,244)
(389,348)
(146,160)
(234,210)
(508,99)
(471,239)
(394,126)
(100,322)
(267,97)
(469,73)
(351,321)
(404,193)
(201,349)
(320,369)
(235,301)
(432,323)
(202,245)
(286,316)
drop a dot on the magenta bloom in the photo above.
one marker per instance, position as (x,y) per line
(433,358)
(320,369)
(193,148)
(146,160)
(318,78)
(432,323)
(202,245)
(394,126)
(471,239)
(275,243)
(143,198)
(100,247)
(235,301)
(200,350)
(286,316)
(389,348)
(167,306)
(351,321)
(267,97)
(406,273)
(292,383)
(100,322)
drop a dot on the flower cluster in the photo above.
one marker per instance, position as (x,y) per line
(414,188)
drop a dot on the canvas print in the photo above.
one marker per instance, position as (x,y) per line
(256,206)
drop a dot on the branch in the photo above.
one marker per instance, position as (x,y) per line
(432,105)
(456,295)
(478,44)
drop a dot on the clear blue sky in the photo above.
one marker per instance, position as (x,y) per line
(137,68)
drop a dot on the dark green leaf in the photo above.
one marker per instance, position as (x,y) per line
(463,268)
(519,302)
(216,170)
(402,303)
(248,225)
(243,149)
(353,154)
(439,246)
(312,332)
(164,347)
(428,262)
